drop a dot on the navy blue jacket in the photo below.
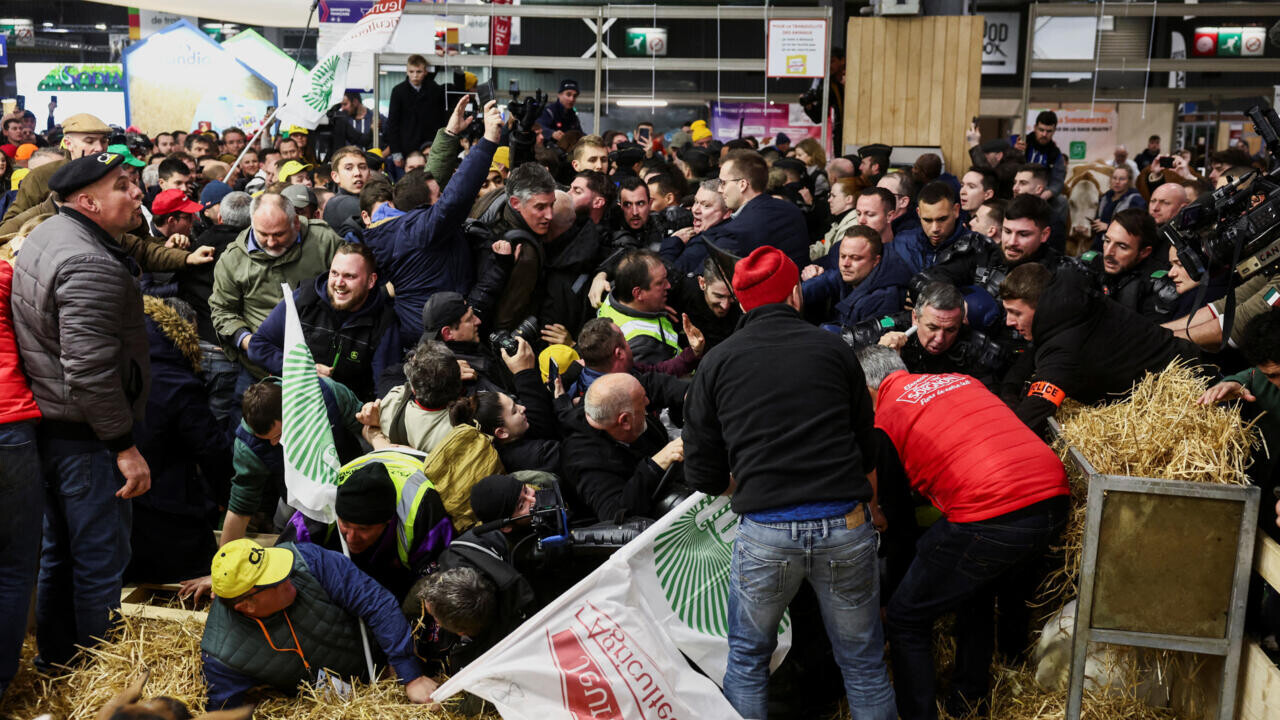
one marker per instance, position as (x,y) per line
(424,251)
(357,345)
(353,591)
(917,253)
(881,293)
(687,258)
(178,434)
(557,117)
(765,220)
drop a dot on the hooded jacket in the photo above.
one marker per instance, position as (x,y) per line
(1090,349)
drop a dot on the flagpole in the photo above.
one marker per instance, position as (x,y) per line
(364,632)
(266,123)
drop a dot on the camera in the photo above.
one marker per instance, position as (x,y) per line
(507,339)
(869,331)
(1238,225)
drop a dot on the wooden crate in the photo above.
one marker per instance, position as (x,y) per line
(1259,676)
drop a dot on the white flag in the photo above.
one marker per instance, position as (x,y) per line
(310,457)
(307,104)
(611,646)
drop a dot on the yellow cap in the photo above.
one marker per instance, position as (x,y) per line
(563,355)
(502,156)
(241,565)
(470,80)
(297,130)
(293,167)
(17,177)
(376,151)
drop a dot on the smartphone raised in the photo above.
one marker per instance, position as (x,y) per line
(484,93)
(1166,162)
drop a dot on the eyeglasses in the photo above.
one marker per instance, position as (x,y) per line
(721,181)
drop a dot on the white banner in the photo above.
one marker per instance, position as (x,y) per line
(309,102)
(611,646)
(310,458)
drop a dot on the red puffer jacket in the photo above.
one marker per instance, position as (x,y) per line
(964,449)
(16,401)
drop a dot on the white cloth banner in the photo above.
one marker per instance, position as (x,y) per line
(310,457)
(309,102)
(611,646)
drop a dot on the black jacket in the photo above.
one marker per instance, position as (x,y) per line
(689,299)
(414,116)
(349,131)
(571,260)
(784,407)
(489,555)
(610,480)
(1145,289)
(195,284)
(539,449)
(1090,349)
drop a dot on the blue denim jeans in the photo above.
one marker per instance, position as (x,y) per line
(958,568)
(220,374)
(86,546)
(770,560)
(20,496)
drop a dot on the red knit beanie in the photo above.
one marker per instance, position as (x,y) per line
(765,276)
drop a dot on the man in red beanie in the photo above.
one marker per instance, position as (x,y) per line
(802,478)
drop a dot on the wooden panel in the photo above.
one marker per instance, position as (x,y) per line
(1259,685)
(1266,560)
(913,81)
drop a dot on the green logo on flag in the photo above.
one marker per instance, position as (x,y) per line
(317,97)
(315,456)
(692,559)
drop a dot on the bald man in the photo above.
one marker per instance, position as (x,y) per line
(1167,201)
(613,456)
(840,168)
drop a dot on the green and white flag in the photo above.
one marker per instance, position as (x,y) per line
(310,457)
(614,645)
(308,102)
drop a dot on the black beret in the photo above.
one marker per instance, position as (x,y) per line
(83,172)
(877,149)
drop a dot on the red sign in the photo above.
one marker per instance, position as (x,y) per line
(1206,42)
(585,688)
(500,31)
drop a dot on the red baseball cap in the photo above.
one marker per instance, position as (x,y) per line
(174,200)
(765,276)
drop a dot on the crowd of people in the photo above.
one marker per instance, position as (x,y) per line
(515,324)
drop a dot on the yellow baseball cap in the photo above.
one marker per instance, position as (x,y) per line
(562,355)
(297,130)
(242,565)
(291,168)
(17,177)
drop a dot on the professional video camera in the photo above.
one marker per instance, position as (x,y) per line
(869,331)
(1237,226)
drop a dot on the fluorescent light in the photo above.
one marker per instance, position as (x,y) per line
(48,24)
(101,26)
(642,102)
(59,30)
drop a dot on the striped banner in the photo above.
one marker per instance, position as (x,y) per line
(310,457)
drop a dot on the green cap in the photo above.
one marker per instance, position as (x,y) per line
(129,159)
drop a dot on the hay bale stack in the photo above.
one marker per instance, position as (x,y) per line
(172,651)
(1157,432)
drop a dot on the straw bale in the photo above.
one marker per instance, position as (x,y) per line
(171,651)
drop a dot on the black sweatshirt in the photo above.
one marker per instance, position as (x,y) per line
(784,407)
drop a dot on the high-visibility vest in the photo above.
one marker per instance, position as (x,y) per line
(659,328)
(411,483)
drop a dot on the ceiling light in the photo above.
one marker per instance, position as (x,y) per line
(642,102)
(101,26)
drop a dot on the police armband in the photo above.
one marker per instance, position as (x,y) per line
(1048,391)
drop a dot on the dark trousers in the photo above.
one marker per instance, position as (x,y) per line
(23,501)
(958,568)
(85,548)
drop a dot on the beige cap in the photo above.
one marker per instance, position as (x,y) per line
(85,123)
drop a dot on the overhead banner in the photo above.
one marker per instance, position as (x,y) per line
(762,122)
(615,645)
(179,78)
(310,101)
(1083,134)
(93,88)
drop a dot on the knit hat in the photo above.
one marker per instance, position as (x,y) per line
(495,497)
(568,84)
(367,496)
(781,140)
(501,158)
(765,276)
(16,178)
(26,150)
(700,131)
